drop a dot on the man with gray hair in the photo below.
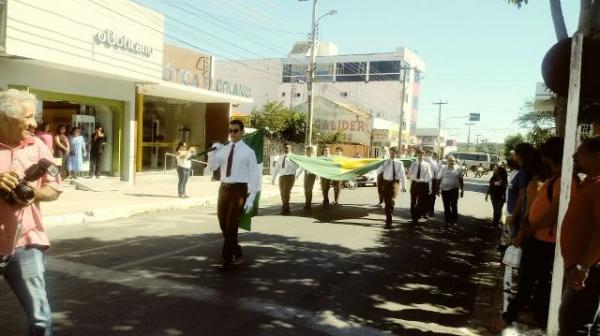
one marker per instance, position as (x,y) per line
(23,239)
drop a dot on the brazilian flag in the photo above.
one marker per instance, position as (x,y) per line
(336,168)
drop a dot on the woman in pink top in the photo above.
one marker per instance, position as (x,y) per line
(44,134)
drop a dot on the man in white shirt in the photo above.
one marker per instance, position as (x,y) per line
(239,185)
(309,179)
(392,175)
(286,170)
(326,183)
(337,185)
(421,178)
(385,156)
(450,182)
(431,158)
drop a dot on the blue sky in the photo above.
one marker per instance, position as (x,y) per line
(481,55)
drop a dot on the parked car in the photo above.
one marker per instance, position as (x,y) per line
(369,178)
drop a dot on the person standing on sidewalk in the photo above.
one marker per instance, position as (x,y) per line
(44,134)
(184,164)
(23,239)
(421,177)
(450,182)
(286,169)
(325,183)
(537,261)
(96,149)
(497,191)
(239,185)
(580,247)
(393,176)
(76,154)
(62,148)
(309,179)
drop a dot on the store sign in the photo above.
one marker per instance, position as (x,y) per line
(235,89)
(111,39)
(181,76)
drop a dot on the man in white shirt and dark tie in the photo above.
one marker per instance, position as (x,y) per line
(326,183)
(286,169)
(421,177)
(431,158)
(392,177)
(239,185)
(309,179)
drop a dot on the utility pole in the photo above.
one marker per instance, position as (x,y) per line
(403,69)
(469,136)
(477,141)
(311,74)
(439,104)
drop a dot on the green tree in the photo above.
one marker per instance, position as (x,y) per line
(539,122)
(510,142)
(332,138)
(589,25)
(284,123)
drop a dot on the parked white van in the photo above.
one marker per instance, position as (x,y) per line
(472,160)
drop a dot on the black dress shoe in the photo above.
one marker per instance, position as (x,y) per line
(226,266)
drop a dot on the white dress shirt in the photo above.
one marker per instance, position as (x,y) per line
(435,167)
(387,169)
(450,177)
(244,168)
(426,173)
(290,168)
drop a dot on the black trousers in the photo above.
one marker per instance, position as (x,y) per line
(95,163)
(450,200)
(535,278)
(497,204)
(419,198)
(580,310)
(432,197)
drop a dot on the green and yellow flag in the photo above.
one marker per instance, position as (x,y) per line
(337,168)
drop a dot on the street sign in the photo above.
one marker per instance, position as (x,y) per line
(474,116)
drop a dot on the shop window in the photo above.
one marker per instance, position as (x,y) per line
(294,73)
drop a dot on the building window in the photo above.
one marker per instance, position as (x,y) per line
(324,72)
(297,94)
(418,76)
(344,94)
(283,94)
(415,102)
(351,72)
(294,73)
(384,71)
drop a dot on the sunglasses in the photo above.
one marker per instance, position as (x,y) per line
(234,130)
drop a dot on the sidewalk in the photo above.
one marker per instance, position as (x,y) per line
(152,193)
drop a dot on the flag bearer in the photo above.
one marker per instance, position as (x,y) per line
(239,184)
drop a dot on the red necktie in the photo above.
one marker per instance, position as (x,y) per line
(230,161)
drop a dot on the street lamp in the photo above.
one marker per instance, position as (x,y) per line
(312,67)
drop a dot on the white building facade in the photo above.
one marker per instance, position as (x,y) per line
(371,82)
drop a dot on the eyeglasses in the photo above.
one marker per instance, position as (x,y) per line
(234,130)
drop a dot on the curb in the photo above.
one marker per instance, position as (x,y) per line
(111,213)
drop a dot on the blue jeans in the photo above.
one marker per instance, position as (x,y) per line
(183,174)
(25,275)
(580,310)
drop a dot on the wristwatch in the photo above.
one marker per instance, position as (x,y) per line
(581,268)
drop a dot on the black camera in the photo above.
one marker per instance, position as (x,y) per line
(23,192)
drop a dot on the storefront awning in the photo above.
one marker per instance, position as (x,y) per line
(177,91)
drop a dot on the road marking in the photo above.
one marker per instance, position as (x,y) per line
(164,255)
(323,321)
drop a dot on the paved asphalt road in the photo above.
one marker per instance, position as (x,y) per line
(332,271)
